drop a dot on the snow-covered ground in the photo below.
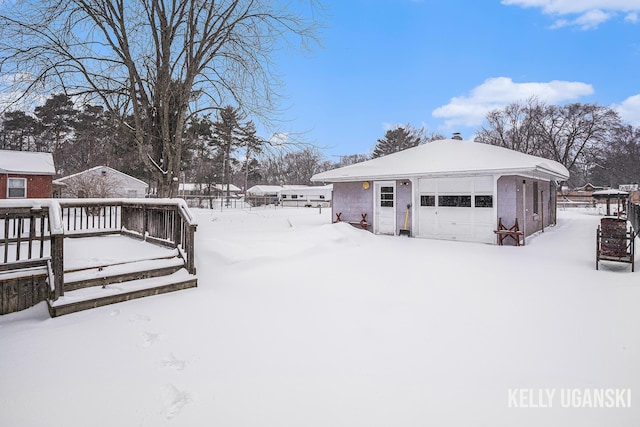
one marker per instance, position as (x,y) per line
(299,322)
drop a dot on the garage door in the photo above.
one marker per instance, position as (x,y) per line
(457,209)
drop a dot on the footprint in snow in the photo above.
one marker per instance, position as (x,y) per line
(170,361)
(139,318)
(173,400)
(149,338)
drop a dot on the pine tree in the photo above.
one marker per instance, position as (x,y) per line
(228,134)
(398,139)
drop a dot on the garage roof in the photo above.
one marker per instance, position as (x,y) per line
(445,158)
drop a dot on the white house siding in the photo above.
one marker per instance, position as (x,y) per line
(352,200)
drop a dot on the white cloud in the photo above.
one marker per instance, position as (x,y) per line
(497,92)
(629,110)
(591,19)
(590,13)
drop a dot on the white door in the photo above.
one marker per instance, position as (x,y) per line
(385,208)
(457,209)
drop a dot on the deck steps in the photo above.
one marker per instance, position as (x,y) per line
(110,274)
(98,296)
(110,284)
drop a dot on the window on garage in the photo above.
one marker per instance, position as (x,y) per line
(454,201)
(427,200)
(535,197)
(386,197)
(483,201)
(17,188)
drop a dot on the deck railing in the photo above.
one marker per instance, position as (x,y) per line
(32,231)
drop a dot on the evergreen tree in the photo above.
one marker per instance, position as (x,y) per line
(91,142)
(58,118)
(398,139)
(18,131)
(252,145)
(228,135)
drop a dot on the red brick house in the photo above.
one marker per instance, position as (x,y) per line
(26,175)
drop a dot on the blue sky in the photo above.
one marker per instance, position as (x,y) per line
(444,64)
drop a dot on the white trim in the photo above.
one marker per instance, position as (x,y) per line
(9,178)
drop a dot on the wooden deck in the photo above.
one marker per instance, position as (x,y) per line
(114,268)
(82,254)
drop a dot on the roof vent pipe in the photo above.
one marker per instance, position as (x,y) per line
(456,135)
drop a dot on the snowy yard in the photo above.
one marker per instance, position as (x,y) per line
(299,322)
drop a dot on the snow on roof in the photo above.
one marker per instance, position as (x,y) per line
(446,157)
(223,187)
(26,162)
(97,168)
(308,189)
(610,192)
(261,190)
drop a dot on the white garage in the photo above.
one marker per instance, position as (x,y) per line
(456,208)
(448,189)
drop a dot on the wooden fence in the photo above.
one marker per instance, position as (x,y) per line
(32,233)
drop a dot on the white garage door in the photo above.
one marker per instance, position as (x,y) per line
(457,209)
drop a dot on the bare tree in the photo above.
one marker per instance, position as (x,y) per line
(513,127)
(571,134)
(92,185)
(153,62)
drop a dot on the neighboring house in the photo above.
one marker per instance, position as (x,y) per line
(26,175)
(451,189)
(307,195)
(221,189)
(192,189)
(100,181)
(263,195)
(265,191)
(579,196)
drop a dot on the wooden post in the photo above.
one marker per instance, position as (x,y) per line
(57,264)
(177,225)
(6,237)
(542,210)
(190,249)
(145,222)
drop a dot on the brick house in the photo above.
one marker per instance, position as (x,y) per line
(26,175)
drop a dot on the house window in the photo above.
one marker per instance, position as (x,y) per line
(16,188)
(386,197)
(322,196)
(454,201)
(535,197)
(284,196)
(294,196)
(427,200)
(484,201)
